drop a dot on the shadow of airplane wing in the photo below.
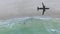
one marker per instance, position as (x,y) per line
(43,12)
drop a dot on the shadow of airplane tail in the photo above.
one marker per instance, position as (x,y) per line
(38,8)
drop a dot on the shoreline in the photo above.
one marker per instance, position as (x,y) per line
(45,17)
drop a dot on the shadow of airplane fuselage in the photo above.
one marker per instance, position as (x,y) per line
(44,9)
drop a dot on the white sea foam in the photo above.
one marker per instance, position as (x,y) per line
(9,21)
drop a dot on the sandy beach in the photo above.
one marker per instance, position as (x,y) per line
(28,8)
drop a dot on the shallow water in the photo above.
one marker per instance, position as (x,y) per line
(30,26)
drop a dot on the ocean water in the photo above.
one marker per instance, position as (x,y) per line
(30,25)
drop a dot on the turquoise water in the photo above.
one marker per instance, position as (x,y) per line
(30,26)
